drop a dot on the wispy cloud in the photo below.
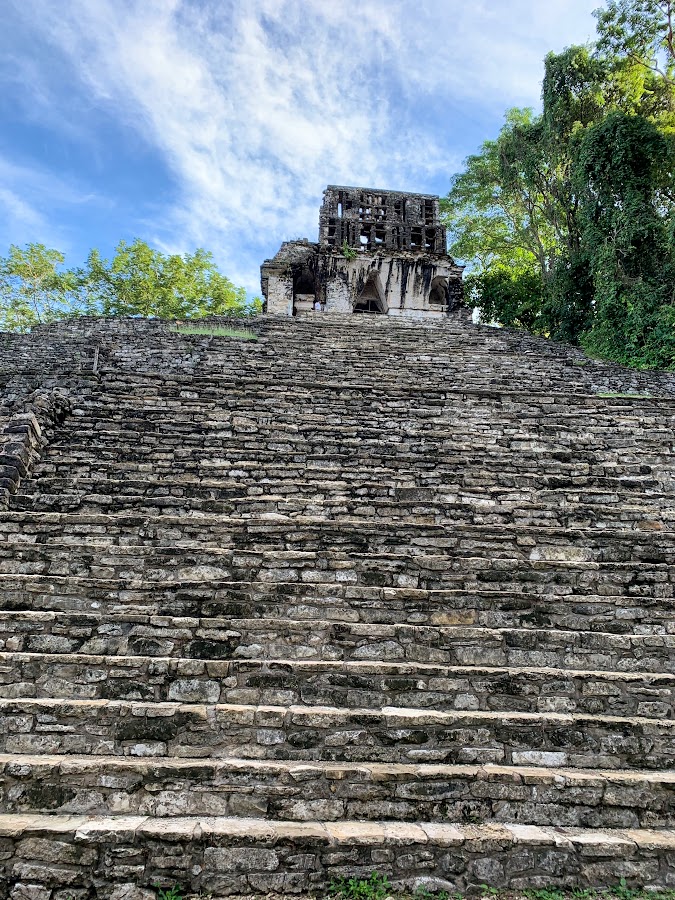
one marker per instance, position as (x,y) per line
(256,106)
(29,197)
(488,53)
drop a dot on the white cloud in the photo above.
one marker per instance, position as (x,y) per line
(20,220)
(490,52)
(256,106)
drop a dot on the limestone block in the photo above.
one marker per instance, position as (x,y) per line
(130,892)
(240,860)
(22,891)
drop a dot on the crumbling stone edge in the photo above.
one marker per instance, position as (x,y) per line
(26,435)
(121,857)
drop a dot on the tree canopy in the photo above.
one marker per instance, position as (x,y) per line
(138,281)
(34,288)
(567,218)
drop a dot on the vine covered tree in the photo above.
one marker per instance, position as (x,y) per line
(567,219)
(624,171)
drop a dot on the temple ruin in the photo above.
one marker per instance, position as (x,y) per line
(378,252)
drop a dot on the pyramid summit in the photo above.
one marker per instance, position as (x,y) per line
(382,252)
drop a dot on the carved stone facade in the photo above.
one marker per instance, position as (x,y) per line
(378,252)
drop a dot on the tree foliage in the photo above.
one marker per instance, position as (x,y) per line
(567,218)
(642,31)
(141,281)
(624,170)
(137,281)
(34,288)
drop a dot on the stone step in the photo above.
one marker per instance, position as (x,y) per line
(483,370)
(327,683)
(409,454)
(278,387)
(461,364)
(252,856)
(137,565)
(295,474)
(284,344)
(232,638)
(629,613)
(491,488)
(471,366)
(412,378)
(329,327)
(244,399)
(290,403)
(157,450)
(471,506)
(562,509)
(428,364)
(332,734)
(484,362)
(519,542)
(142,353)
(415,459)
(456,427)
(368,463)
(220,397)
(300,792)
(140,344)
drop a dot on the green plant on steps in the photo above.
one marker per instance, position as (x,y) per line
(545,894)
(378,887)
(423,893)
(375,887)
(243,334)
(621,891)
(173,893)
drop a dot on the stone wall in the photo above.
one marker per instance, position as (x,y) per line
(371,219)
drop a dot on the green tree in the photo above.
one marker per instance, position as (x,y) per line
(139,280)
(34,288)
(641,31)
(554,242)
(513,214)
(494,214)
(624,171)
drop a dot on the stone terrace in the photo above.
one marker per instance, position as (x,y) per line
(358,595)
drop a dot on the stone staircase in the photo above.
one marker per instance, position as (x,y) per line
(358,595)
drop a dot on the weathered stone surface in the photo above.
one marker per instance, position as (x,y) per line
(378,252)
(358,595)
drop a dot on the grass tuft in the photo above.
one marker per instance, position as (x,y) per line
(378,887)
(173,893)
(614,395)
(243,334)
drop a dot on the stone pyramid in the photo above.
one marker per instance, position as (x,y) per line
(359,595)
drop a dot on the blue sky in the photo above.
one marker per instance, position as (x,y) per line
(217,123)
